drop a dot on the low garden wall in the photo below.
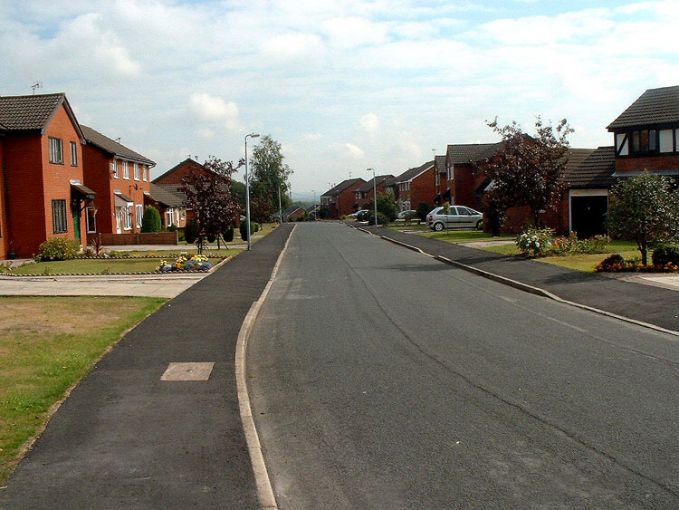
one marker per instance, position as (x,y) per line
(143,238)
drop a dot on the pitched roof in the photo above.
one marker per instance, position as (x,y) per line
(368,186)
(590,168)
(165,195)
(440,164)
(112,147)
(175,189)
(179,166)
(411,173)
(34,112)
(346,183)
(655,106)
(465,152)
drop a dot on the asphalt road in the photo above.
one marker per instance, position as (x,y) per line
(381,378)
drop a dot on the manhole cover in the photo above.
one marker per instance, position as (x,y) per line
(188,372)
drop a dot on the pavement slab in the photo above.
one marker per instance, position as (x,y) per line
(127,439)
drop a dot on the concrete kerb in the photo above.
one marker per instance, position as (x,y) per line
(265,494)
(528,288)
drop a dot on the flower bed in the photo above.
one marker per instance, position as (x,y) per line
(617,264)
(186,263)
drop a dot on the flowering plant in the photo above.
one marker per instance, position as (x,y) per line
(186,263)
(535,242)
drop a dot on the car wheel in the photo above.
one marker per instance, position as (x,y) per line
(438,227)
(479,225)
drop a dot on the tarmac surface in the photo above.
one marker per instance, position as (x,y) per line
(655,304)
(381,378)
(127,439)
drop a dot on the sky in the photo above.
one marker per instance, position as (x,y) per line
(343,85)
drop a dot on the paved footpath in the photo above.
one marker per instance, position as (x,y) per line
(655,305)
(126,439)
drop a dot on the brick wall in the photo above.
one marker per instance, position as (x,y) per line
(4,232)
(650,163)
(346,201)
(423,189)
(367,202)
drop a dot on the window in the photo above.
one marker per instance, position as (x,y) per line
(170,217)
(136,171)
(621,144)
(59,221)
(126,170)
(128,217)
(91,220)
(143,173)
(463,211)
(56,149)
(644,141)
(140,214)
(666,139)
(114,168)
(74,154)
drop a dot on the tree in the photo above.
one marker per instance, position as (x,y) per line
(268,178)
(387,205)
(209,195)
(422,210)
(646,209)
(527,170)
(150,222)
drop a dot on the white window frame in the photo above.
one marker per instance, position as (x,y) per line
(74,154)
(144,173)
(114,168)
(126,170)
(59,216)
(91,224)
(56,150)
(169,214)
(139,212)
(136,171)
(127,212)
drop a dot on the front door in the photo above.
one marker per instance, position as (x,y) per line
(75,213)
(119,220)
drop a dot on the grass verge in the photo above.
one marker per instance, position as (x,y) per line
(47,344)
(466,236)
(580,262)
(98,266)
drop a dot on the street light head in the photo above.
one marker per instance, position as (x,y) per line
(254,135)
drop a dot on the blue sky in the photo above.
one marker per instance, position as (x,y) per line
(344,85)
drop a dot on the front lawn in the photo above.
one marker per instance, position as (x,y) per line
(466,236)
(580,262)
(47,344)
(97,266)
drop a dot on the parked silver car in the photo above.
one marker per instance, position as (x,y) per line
(458,216)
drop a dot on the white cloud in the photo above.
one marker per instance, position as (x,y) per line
(350,32)
(214,108)
(312,137)
(370,122)
(351,150)
(294,46)
(206,133)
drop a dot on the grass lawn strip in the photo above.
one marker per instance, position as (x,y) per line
(100,266)
(582,261)
(466,236)
(47,345)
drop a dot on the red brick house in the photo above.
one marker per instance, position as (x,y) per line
(441,181)
(365,193)
(416,185)
(42,184)
(120,177)
(170,204)
(341,199)
(294,213)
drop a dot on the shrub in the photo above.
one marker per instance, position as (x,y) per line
(382,219)
(664,254)
(57,248)
(228,234)
(422,210)
(191,232)
(244,231)
(571,244)
(151,220)
(535,242)
(613,262)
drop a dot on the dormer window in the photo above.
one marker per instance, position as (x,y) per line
(647,142)
(644,141)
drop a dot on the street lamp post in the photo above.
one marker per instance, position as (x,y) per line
(247,187)
(374,192)
(314,204)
